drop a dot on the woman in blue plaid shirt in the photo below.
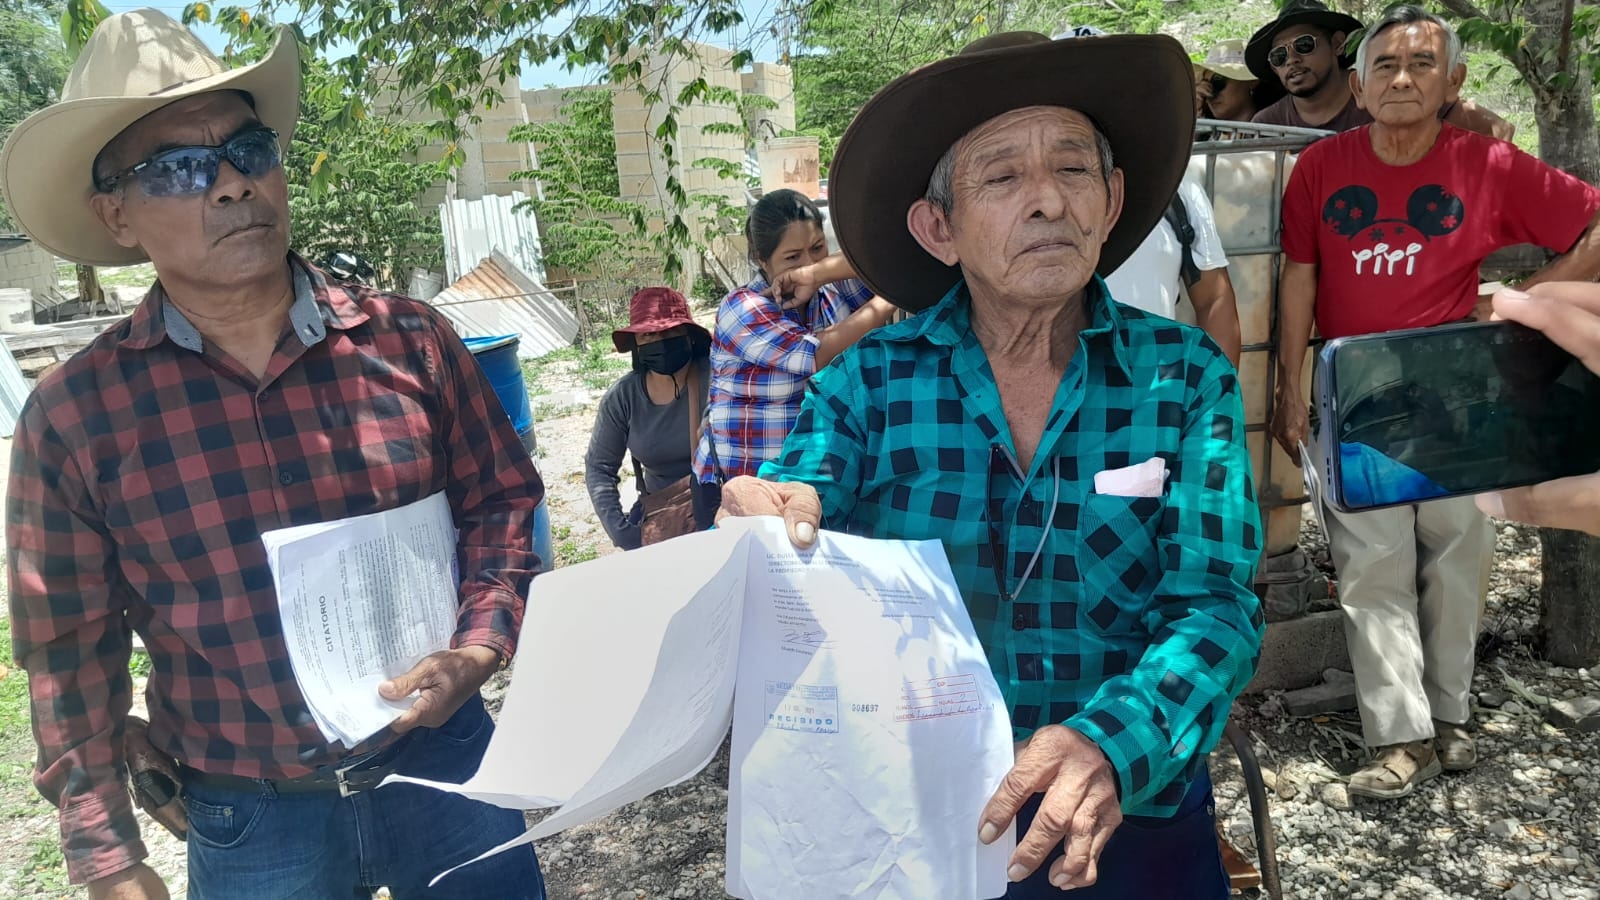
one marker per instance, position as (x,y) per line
(800,312)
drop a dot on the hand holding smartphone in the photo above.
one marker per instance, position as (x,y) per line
(1569,314)
(1425,414)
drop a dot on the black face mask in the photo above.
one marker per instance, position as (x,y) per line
(668,356)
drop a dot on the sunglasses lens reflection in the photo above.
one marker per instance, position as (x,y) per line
(192,170)
(1302,45)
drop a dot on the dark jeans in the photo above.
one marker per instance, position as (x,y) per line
(1145,859)
(269,846)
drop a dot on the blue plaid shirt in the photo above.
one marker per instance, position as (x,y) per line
(761,357)
(1138,624)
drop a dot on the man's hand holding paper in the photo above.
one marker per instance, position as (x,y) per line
(442,682)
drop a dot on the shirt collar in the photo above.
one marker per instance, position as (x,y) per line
(950,320)
(318,305)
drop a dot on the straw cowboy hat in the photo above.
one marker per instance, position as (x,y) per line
(1227,59)
(887,155)
(135,63)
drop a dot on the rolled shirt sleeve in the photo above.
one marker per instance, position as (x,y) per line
(753,327)
(493,489)
(70,633)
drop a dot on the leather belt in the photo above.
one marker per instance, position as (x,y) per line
(348,776)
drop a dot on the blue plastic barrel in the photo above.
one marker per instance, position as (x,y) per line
(497,357)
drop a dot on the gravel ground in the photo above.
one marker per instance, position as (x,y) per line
(1524,824)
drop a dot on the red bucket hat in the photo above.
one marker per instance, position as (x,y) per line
(653,310)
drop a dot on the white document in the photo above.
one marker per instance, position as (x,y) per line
(868,730)
(626,677)
(623,682)
(362,600)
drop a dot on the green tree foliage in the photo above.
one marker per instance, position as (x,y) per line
(853,49)
(354,186)
(1552,45)
(78,21)
(33,64)
(354,179)
(579,209)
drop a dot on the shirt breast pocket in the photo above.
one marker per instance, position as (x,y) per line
(1118,560)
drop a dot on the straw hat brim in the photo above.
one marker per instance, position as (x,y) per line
(46,167)
(888,153)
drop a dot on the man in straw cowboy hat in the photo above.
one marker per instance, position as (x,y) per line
(246,393)
(1084,464)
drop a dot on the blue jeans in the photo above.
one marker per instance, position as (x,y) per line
(268,846)
(1146,858)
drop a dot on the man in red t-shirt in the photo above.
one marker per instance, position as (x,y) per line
(1384,228)
(1305,51)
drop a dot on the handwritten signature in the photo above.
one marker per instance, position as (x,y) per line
(814,639)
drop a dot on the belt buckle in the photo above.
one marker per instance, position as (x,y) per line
(345,790)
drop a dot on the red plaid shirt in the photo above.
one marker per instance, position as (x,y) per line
(142,476)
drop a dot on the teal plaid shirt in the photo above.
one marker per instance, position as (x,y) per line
(1137,625)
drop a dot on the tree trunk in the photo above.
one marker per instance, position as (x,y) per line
(1567,137)
(89,288)
(1569,620)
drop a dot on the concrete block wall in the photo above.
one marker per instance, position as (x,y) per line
(776,83)
(24,264)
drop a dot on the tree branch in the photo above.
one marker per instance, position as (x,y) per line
(1564,51)
(1464,9)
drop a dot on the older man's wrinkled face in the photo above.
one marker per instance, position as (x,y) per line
(1408,78)
(1032,207)
(232,234)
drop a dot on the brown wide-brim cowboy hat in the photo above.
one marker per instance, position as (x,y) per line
(1139,90)
(135,63)
(1299,12)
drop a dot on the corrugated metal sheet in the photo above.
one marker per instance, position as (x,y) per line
(475,228)
(14,391)
(499,298)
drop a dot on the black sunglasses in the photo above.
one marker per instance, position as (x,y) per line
(182,171)
(1218,82)
(1303,45)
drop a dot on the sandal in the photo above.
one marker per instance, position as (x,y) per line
(1396,771)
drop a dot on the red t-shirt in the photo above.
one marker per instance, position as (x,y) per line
(1400,246)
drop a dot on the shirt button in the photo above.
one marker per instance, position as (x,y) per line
(1018,623)
(285,478)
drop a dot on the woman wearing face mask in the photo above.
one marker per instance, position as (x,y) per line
(651,414)
(804,308)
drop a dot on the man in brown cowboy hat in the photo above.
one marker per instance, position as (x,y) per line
(1084,464)
(246,393)
(1309,49)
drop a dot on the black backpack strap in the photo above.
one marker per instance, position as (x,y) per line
(1177,215)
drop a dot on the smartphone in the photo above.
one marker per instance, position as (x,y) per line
(1429,413)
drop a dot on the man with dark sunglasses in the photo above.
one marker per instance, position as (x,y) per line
(248,392)
(1308,49)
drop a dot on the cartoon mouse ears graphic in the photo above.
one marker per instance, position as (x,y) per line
(1431,210)
(1351,209)
(1434,211)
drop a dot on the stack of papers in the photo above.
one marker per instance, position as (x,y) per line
(362,600)
(868,731)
